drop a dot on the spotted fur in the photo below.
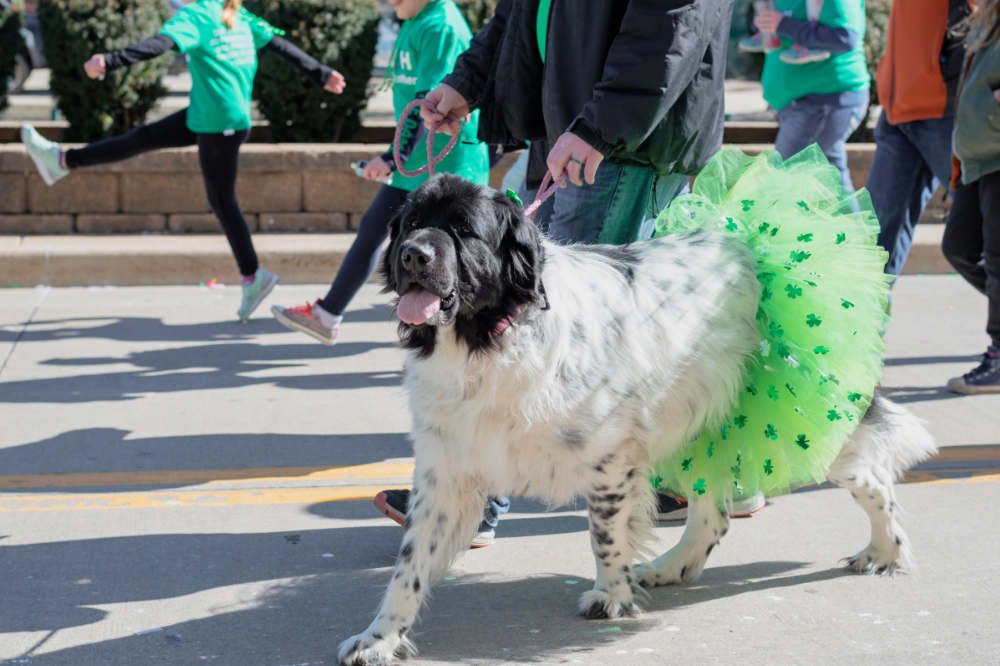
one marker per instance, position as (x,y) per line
(615,358)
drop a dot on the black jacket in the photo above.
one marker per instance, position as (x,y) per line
(639,80)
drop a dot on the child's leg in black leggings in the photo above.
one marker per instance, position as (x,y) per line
(972,242)
(170,132)
(362,257)
(219,155)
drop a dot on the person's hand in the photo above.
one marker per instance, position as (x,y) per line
(768,20)
(96,67)
(446,106)
(996,95)
(335,83)
(377,169)
(574,157)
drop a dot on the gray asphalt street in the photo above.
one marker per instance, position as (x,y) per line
(176,488)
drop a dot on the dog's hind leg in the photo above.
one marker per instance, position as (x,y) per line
(440,522)
(620,503)
(888,441)
(705,527)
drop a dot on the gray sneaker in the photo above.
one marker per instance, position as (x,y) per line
(255,292)
(303,319)
(45,155)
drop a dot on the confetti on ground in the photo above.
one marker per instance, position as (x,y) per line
(449,578)
(923,613)
(328,555)
(571,582)
(534,631)
(609,630)
(672,627)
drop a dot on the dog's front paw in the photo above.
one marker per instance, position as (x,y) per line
(373,649)
(669,570)
(877,561)
(602,605)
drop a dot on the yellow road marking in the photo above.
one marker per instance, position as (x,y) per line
(308,485)
(187,498)
(194,477)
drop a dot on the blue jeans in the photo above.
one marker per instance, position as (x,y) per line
(620,207)
(495,507)
(804,122)
(911,160)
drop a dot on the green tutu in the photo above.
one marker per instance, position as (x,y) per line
(823,307)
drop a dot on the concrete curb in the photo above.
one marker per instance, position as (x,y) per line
(155,259)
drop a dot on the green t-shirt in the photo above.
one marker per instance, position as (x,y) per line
(222,62)
(841,72)
(426,50)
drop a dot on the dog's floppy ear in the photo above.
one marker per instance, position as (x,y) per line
(388,274)
(521,251)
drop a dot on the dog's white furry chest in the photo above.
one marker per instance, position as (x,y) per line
(569,384)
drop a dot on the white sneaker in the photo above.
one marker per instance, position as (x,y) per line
(45,154)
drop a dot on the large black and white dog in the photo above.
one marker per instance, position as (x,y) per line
(563,371)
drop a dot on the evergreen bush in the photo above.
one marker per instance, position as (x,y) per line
(10,45)
(72,31)
(339,34)
(477,12)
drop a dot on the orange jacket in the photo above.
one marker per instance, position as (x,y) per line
(920,67)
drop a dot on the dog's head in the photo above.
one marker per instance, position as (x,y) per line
(460,256)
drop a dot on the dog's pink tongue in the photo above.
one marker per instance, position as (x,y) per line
(417,306)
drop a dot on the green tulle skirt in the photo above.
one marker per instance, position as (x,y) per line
(823,307)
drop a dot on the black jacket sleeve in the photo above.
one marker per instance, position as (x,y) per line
(473,70)
(317,72)
(147,49)
(652,60)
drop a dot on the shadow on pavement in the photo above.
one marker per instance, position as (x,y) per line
(929,360)
(110,450)
(214,366)
(311,590)
(905,394)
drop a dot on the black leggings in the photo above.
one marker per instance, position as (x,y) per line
(972,242)
(218,155)
(362,257)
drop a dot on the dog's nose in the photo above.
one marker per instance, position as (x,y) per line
(415,256)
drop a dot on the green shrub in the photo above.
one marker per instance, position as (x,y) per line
(477,12)
(341,35)
(10,45)
(72,31)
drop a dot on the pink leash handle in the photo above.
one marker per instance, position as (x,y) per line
(545,190)
(432,160)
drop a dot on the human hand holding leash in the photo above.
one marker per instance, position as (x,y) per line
(444,109)
(96,66)
(574,157)
(377,169)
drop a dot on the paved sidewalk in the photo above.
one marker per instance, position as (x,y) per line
(177,488)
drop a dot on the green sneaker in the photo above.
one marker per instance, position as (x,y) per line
(255,292)
(45,155)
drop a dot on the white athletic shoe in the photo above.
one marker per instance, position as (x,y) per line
(45,155)
(255,292)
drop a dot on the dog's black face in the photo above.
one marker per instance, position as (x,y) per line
(460,255)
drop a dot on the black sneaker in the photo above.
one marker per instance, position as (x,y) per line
(393,504)
(670,509)
(984,378)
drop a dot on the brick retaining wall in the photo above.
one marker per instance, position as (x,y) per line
(282,188)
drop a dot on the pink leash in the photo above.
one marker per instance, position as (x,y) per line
(546,190)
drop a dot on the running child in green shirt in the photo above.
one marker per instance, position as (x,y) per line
(221,39)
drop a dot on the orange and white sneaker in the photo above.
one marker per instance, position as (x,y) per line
(310,319)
